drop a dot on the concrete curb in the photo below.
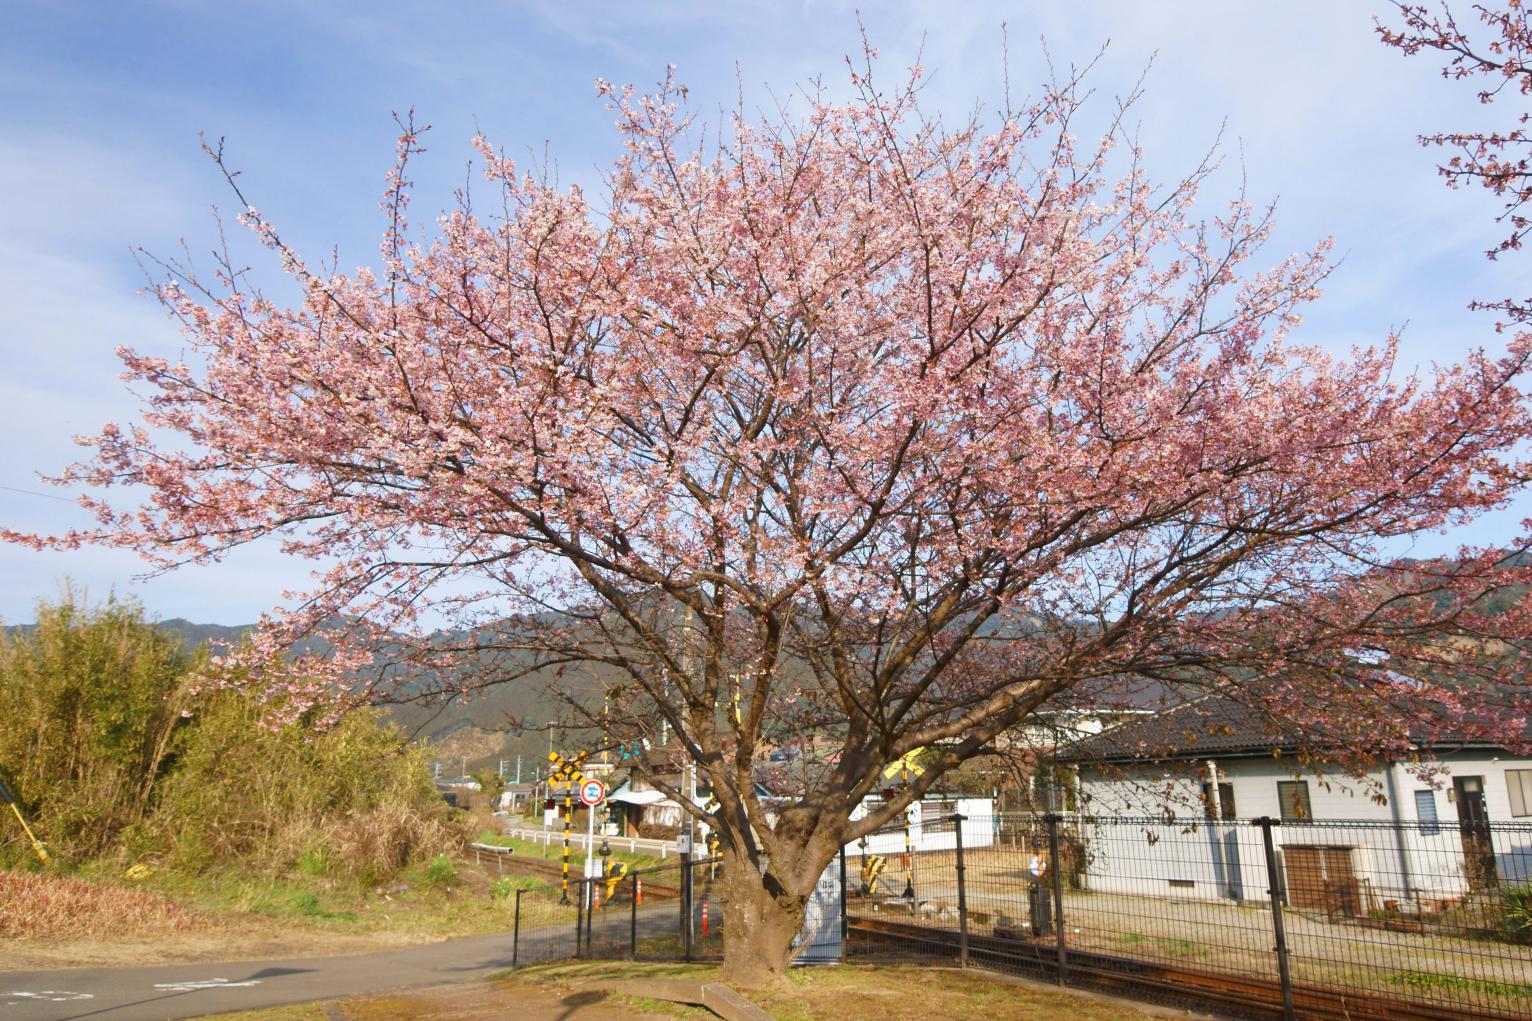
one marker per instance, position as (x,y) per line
(714,996)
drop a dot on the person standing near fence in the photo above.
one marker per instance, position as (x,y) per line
(1039,903)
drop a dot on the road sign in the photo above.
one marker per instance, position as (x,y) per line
(592,793)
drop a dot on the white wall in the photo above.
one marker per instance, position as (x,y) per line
(1407,863)
(978,829)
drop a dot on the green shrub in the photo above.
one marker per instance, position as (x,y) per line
(314,862)
(307,904)
(1517,903)
(441,871)
(91,699)
(355,800)
(116,755)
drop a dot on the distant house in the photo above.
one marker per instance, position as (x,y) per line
(1385,837)
(515,797)
(1028,750)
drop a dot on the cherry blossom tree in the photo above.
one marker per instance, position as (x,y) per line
(1494,55)
(847,430)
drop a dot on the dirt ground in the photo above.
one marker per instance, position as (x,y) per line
(477,1001)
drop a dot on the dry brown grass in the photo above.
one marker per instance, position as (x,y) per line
(35,906)
(386,839)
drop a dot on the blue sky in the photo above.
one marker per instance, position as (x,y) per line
(100,105)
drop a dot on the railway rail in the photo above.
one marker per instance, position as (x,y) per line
(1248,996)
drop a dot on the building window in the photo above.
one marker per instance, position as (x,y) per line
(1293,798)
(1519,783)
(1225,800)
(1425,811)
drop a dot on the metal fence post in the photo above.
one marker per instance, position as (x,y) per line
(516,932)
(844,926)
(590,916)
(633,919)
(957,831)
(1274,888)
(579,922)
(1052,820)
(686,905)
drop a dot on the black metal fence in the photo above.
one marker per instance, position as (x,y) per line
(671,912)
(1253,917)
(1258,917)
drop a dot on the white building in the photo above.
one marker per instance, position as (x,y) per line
(1177,823)
(931,826)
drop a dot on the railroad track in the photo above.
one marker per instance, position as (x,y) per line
(1249,996)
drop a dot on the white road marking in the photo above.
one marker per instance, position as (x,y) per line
(207,983)
(16,997)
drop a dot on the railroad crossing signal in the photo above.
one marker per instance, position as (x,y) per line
(907,764)
(567,771)
(616,873)
(872,867)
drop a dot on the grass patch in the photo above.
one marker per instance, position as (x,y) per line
(504,887)
(1431,981)
(664,1008)
(441,871)
(853,992)
(96,903)
(845,993)
(1168,945)
(535,849)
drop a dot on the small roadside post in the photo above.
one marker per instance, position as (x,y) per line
(592,793)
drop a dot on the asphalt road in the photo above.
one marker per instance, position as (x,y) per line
(193,990)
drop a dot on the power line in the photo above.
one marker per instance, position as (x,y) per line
(33,492)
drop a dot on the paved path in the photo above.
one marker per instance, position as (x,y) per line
(177,991)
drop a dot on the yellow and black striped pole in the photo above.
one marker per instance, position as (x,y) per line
(906,765)
(568,812)
(909,848)
(567,772)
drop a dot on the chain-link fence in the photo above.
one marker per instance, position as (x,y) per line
(1260,918)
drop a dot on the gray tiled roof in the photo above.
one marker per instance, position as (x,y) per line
(1210,725)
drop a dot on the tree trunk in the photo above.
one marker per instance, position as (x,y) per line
(762,914)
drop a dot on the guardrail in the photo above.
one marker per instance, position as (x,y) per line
(555,837)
